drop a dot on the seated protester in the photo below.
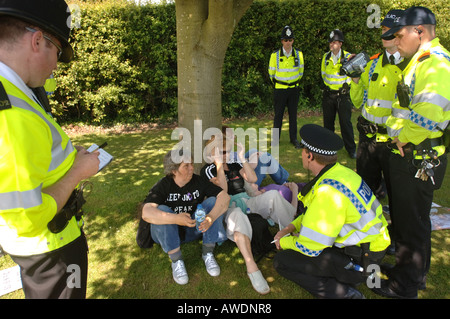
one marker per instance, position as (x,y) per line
(342,222)
(169,208)
(285,190)
(263,163)
(268,204)
(238,226)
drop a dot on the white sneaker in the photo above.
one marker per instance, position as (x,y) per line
(211,264)
(259,283)
(179,272)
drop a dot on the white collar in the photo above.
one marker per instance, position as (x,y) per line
(286,54)
(335,57)
(15,79)
(397,57)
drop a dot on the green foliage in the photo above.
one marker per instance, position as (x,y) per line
(125,67)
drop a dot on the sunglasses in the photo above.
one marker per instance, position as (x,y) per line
(49,39)
(288,40)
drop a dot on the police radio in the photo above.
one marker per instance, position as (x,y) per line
(403,93)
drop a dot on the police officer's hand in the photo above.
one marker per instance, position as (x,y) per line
(277,238)
(86,164)
(286,231)
(399,146)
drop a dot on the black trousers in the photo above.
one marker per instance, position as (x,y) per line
(334,103)
(411,204)
(372,163)
(57,274)
(286,98)
(323,276)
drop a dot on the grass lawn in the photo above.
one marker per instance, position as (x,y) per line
(118,269)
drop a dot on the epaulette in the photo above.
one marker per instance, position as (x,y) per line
(424,56)
(375,56)
(4,100)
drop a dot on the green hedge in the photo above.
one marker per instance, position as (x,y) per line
(125,66)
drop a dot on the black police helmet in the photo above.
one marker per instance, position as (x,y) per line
(287,33)
(336,35)
(52,16)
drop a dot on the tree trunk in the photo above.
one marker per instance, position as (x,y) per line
(204,30)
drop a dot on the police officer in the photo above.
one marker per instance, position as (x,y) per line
(343,222)
(39,166)
(336,98)
(374,92)
(286,67)
(419,161)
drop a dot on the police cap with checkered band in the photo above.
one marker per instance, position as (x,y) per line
(320,140)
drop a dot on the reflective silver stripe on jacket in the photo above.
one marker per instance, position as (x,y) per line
(367,216)
(433,98)
(288,78)
(343,79)
(26,199)
(374,119)
(316,236)
(401,114)
(58,153)
(32,198)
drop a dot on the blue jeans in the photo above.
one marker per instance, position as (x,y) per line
(168,236)
(266,163)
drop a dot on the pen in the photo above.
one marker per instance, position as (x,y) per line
(279,225)
(277,239)
(101,146)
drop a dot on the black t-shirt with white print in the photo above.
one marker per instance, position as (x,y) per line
(182,199)
(234,179)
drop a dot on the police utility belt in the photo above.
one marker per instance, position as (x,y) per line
(366,127)
(72,208)
(343,90)
(363,255)
(425,146)
(288,84)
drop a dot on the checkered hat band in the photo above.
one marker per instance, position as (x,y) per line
(318,150)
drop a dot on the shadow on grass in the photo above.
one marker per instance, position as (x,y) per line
(119,269)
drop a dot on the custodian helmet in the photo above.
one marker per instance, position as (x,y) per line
(52,16)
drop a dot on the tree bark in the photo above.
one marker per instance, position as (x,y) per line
(204,30)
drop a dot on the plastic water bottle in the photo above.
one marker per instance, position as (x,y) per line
(352,266)
(199,215)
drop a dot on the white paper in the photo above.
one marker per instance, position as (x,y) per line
(10,280)
(104,157)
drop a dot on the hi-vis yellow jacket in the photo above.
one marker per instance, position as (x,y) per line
(330,71)
(341,211)
(427,75)
(376,91)
(34,154)
(284,71)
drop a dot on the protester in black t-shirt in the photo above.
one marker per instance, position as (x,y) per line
(169,208)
